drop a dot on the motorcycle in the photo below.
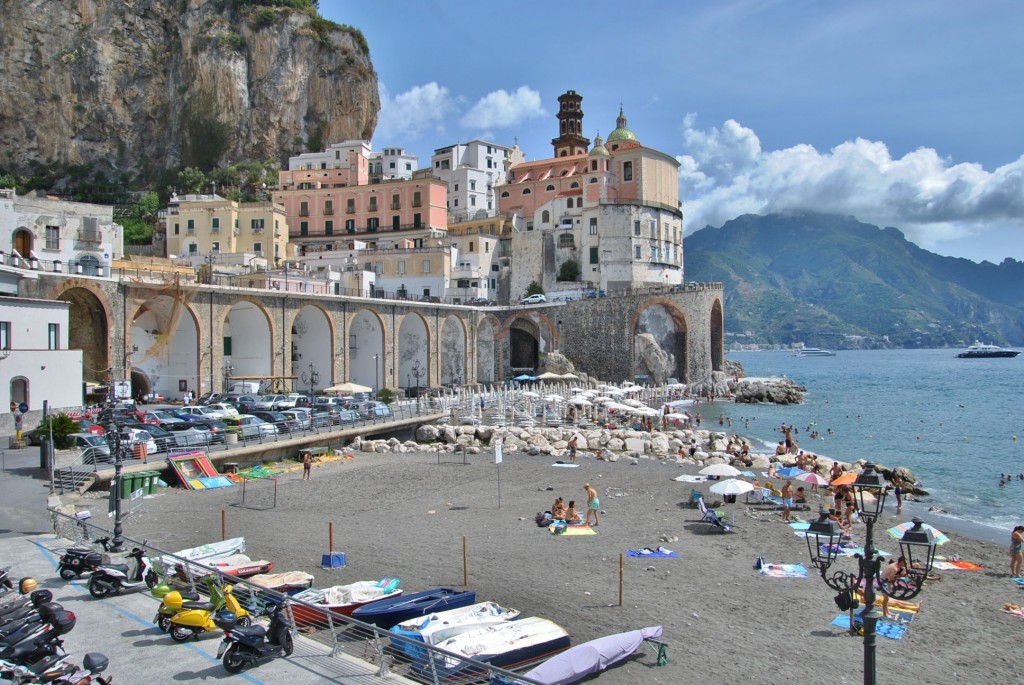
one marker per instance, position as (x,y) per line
(42,642)
(6,584)
(196,618)
(78,560)
(14,630)
(57,670)
(114,578)
(243,646)
(170,604)
(36,598)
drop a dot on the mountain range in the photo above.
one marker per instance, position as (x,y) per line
(833,281)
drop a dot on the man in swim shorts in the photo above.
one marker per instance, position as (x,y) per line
(593,504)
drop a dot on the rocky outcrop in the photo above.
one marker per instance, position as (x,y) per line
(135,86)
(652,359)
(773,390)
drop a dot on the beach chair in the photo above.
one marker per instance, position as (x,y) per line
(719,523)
(696,496)
(704,509)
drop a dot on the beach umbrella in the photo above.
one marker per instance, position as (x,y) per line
(554,398)
(731,487)
(524,377)
(580,402)
(570,377)
(898,531)
(547,376)
(812,478)
(528,393)
(789,472)
(348,388)
(722,469)
(848,478)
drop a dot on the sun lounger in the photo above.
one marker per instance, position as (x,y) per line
(717,522)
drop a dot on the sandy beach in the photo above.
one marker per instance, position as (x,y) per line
(404,515)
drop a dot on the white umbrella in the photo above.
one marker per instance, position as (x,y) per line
(569,377)
(580,402)
(530,394)
(722,469)
(731,487)
(348,388)
(553,398)
(548,376)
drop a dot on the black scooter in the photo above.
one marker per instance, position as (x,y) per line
(36,598)
(246,646)
(117,578)
(41,642)
(79,560)
(57,670)
(15,629)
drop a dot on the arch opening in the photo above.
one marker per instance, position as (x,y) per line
(88,330)
(312,350)
(165,340)
(660,345)
(247,343)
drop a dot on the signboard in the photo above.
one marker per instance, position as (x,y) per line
(23,408)
(14,407)
(123,390)
(137,494)
(497,450)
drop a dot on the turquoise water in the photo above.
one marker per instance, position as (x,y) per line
(951,421)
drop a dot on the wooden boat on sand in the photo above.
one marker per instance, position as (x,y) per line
(313,604)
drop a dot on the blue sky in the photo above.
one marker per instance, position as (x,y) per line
(906,113)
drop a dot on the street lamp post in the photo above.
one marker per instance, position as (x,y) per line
(376,374)
(113,435)
(311,379)
(917,547)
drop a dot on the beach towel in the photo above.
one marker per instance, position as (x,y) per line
(565,466)
(902,606)
(784,570)
(572,530)
(884,627)
(799,525)
(691,479)
(956,566)
(1019,581)
(661,552)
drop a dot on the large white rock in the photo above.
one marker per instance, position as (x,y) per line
(660,444)
(635,444)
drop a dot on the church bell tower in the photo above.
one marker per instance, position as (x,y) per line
(570,140)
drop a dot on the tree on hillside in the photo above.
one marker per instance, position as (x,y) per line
(569,271)
(534,289)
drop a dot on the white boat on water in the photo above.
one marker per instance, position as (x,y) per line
(813,352)
(980,350)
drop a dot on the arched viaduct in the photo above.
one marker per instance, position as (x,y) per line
(168,338)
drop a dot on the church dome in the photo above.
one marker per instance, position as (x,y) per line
(599,150)
(621,131)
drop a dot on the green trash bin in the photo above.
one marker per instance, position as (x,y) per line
(151,486)
(143,480)
(128,484)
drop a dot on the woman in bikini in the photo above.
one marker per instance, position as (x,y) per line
(558,510)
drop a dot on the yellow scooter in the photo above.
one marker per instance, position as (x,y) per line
(195,618)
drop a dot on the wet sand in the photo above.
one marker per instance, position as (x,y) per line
(404,515)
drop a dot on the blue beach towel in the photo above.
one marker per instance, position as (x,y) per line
(661,552)
(891,630)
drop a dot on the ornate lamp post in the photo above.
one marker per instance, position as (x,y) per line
(917,547)
(311,379)
(117,447)
(376,376)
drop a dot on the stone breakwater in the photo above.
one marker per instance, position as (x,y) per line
(671,446)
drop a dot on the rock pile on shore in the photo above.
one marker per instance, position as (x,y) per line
(772,390)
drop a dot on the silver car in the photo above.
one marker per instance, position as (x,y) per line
(95,449)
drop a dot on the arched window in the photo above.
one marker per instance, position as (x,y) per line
(593,180)
(89,264)
(550,188)
(504,193)
(19,390)
(545,217)
(527,191)
(574,185)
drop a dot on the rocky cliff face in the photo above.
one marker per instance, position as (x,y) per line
(144,85)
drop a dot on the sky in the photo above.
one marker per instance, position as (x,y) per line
(904,113)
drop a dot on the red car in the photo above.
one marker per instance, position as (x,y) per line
(147,417)
(87,426)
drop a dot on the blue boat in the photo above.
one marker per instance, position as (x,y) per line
(390,612)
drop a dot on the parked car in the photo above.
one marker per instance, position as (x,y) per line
(163,439)
(325,415)
(209,398)
(432,298)
(347,416)
(536,298)
(132,437)
(243,403)
(191,434)
(302,417)
(282,422)
(159,417)
(249,427)
(268,402)
(95,449)
(481,302)
(90,426)
(223,409)
(374,409)
(200,412)
(153,397)
(216,426)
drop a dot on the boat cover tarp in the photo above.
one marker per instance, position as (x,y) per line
(578,662)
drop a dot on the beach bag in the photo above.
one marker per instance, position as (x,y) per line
(759,563)
(542,519)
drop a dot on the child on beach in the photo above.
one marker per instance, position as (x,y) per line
(307,465)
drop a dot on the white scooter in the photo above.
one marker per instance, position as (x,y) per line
(119,579)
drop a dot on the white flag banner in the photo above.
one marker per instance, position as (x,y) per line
(497,451)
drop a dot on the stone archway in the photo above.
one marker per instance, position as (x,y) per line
(717,336)
(659,343)
(524,344)
(141,385)
(165,347)
(367,361)
(248,343)
(486,351)
(89,327)
(453,351)
(312,353)
(413,352)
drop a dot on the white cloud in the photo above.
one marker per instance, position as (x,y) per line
(501,109)
(419,110)
(726,174)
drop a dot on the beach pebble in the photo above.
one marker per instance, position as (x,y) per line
(586,593)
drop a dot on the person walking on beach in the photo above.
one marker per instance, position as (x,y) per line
(307,466)
(897,491)
(787,500)
(890,575)
(593,504)
(572,450)
(1016,551)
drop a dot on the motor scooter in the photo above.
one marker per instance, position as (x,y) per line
(6,584)
(78,560)
(170,604)
(117,578)
(13,630)
(41,642)
(36,598)
(196,618)
(243,646)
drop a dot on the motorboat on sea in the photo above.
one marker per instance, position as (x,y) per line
(390,612)
(341,599)
(813,352)
(511,645)
(438,627)
(980,350)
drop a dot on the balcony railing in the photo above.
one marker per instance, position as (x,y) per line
(303,212)
(328,211)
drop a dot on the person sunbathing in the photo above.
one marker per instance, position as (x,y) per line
(558,510)
(571,515)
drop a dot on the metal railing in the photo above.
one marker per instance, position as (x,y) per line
(317,629)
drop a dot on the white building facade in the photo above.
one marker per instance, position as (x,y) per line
(35,362)
(472,170)
(57,235)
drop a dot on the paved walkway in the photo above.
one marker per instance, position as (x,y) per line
(122,628)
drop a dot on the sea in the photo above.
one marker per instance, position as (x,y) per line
(956,423)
